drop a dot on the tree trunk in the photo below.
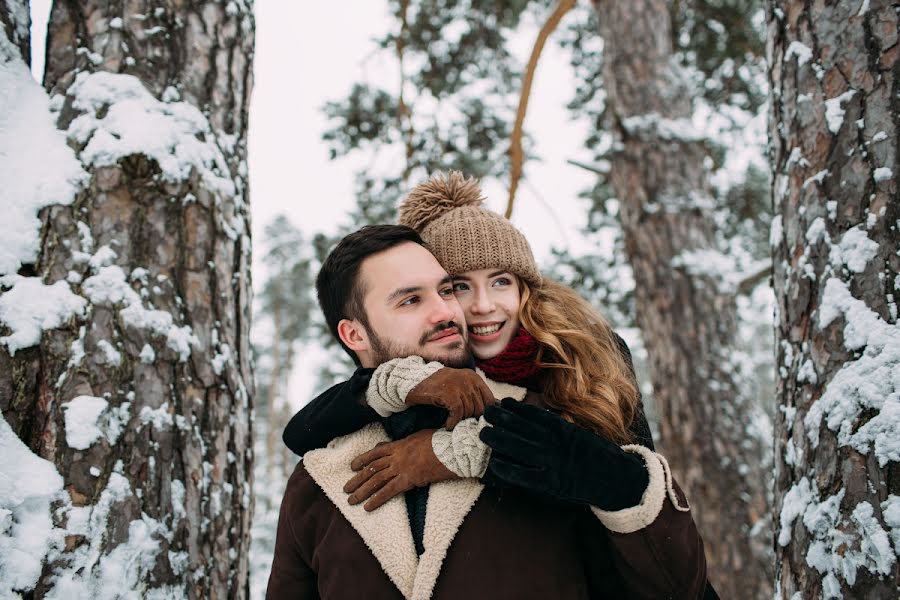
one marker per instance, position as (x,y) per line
(154,98)
(273,426)
(16,24)
(687,315)
(833,128)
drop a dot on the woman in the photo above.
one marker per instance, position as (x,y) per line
(534,333)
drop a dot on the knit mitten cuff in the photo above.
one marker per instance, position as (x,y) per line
(393,380)
(461,450)
(629,520)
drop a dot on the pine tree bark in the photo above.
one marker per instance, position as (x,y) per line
(15,20)
(833,129)
(687,319)
(158,243)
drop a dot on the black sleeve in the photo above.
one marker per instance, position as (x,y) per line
(640,429)
(338,411)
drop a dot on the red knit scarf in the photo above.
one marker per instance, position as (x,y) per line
(516,364)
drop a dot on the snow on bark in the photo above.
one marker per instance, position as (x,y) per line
(836,265)
(37,169)
(125,360)
(15,27)
(28,487)
(710,428)
(29,307)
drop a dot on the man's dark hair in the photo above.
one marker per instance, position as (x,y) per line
(338,286)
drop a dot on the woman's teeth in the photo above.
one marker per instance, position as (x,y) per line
(487,330)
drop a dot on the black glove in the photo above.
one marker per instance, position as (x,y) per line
(537,450)
(340,410)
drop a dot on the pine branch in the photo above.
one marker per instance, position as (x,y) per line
(601,168)
(749,283)
(515,146)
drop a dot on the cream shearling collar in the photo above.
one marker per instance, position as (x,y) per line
(386,531)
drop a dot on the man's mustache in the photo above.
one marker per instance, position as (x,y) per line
(439,328)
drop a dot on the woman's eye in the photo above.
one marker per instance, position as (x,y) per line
(502,281)
(460,287)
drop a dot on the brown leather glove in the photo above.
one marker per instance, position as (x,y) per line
(391,468)
(461,391)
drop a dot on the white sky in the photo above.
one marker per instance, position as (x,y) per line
(308,53)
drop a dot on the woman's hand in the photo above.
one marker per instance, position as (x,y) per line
(537,450)
(461,391)
(391,468)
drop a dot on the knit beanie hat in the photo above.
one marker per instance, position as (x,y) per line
(446,211)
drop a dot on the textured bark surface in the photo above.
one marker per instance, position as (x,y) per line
(834,123)
(15,20)
(688,322)
(182,411)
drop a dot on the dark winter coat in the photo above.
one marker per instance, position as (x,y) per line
(479,542)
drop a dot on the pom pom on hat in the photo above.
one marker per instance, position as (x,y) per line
(438,196)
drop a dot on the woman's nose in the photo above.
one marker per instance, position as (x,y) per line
(483,303)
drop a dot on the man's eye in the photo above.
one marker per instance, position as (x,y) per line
(460,287)
(445,292)
(410,300)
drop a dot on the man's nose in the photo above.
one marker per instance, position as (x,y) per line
(441,310)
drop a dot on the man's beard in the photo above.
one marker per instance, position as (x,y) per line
(456,355)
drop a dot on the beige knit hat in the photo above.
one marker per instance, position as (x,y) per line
(463,236)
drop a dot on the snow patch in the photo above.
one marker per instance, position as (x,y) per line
(112,356)
(890,508)
(776,231)
(668,129)
(869,383)
(102,257)
(37,167)
(816,230)
(93,574)
(854,250)
(795,502)
(174,134)
(147,354)
(28,486)
(834,112)
(82,413)
(31,307)
(882,174)
(162,417)
(839,546)
(817,178)
(801,51)
(109,288)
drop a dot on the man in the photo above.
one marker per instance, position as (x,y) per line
(385,296)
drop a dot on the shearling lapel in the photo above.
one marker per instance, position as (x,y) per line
(385,531)
(448,504)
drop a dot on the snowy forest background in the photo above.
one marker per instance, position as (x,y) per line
(706,172)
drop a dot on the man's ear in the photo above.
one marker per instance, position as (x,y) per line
(353,334)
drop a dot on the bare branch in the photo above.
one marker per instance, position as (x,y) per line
(515,146)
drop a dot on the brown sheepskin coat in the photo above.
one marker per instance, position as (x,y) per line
(479,542)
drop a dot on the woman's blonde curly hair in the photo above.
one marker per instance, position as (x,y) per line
(587,378)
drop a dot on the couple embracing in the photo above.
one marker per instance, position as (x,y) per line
(491,443)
